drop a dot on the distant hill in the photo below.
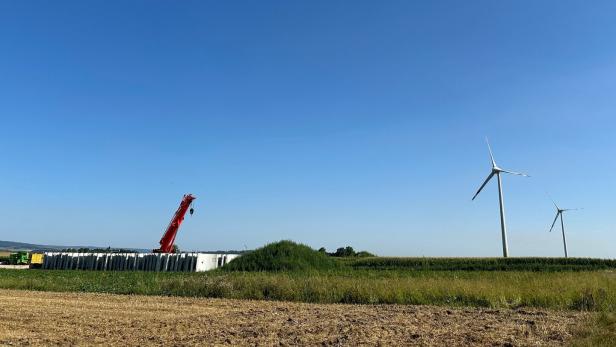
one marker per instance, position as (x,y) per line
(21,246)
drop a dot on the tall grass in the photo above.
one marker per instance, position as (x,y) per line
(288,271)
(599,331)
(594,291)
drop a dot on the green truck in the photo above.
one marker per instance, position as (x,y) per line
(19,258)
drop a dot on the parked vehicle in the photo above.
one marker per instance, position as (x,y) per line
(19,258)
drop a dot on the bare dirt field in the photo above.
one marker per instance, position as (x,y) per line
(42,318)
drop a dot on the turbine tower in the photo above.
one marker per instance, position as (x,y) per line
(496,171)
(559,213)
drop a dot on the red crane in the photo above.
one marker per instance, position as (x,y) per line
(166,243)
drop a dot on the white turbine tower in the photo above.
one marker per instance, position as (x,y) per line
(497,171)
(559,213)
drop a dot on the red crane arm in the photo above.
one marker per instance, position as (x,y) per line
(168,239)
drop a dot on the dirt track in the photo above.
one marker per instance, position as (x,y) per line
(85,319)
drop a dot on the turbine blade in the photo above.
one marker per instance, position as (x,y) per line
(483,185)
(491,155)
(554,202)
(555,218)
(515,173)
(573,209)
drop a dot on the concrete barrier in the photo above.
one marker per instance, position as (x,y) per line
(165,262)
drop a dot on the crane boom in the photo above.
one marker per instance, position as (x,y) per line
(168,239)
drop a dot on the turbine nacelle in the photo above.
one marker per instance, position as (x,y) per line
(559,213)
(496,170)
(560,210)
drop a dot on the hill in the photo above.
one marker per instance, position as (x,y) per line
(282,256)
(12,246)
(21,246)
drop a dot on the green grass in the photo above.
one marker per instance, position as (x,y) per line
(583,290)
(282,256)
(599,331)
(484,264)
(298,273)
(292,272)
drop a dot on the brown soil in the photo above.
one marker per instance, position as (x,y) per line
(41,318)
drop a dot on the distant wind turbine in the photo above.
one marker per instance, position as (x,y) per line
(497,171)
(559,213)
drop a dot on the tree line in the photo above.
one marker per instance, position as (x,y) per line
(347,252)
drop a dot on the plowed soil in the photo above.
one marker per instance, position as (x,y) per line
(42,318)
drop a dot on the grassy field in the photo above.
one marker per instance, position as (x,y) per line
(580,290)
(298,274)
(483,264)
(555,290)
(600,331)
(4,255)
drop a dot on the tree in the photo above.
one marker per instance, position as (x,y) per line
(322,250)
(344,252)
(176,249)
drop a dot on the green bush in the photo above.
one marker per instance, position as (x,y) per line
(282,256)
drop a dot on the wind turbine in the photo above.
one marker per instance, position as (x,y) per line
(496,171)
(559,213)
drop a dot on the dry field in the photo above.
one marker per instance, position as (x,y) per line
(15,267)
(43,318)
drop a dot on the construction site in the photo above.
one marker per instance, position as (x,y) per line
(165,258)
(308,173)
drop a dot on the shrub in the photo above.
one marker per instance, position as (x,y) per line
(282,256)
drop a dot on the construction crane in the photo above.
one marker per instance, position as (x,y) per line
(168,239)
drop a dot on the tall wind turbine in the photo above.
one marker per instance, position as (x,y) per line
(559,213)
(496,171)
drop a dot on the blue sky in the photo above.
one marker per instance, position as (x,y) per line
(329,123)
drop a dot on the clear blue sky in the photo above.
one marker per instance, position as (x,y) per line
(329,123)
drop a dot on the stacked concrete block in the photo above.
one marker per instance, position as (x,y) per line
(165,262)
